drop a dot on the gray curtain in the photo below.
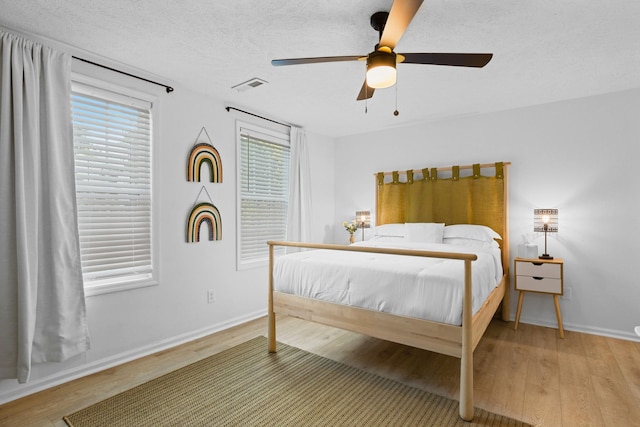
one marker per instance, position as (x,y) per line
(42,306)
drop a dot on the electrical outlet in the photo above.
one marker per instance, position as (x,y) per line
(567,293)
(211,296)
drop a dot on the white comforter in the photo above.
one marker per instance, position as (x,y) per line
(427,288)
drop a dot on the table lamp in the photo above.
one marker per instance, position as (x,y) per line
(363,220)
(545,220)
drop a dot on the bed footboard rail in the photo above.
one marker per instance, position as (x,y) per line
(391,251)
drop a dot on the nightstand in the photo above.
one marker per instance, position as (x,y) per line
(539,275)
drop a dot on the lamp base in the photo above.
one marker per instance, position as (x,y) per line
(545,256)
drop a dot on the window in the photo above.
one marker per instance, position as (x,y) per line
(113,159)
(263,192)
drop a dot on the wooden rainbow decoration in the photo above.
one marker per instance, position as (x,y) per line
(204,213)
(201,154)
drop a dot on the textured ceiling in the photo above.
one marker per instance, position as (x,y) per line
(544,51)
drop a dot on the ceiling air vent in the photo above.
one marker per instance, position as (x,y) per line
(249,84)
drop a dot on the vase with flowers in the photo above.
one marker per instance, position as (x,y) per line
(351,227)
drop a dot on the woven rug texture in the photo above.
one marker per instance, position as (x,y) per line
(247,386)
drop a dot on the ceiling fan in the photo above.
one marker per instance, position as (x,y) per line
(381,63)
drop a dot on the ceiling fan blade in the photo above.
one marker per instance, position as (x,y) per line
(400,16)
(453,59)
(296,61)
(366,92)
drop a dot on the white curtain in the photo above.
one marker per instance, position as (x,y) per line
(299,209)
(42,306)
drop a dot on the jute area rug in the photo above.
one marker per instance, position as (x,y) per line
(247,386)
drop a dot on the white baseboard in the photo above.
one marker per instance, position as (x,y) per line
(611,333)
(118,359)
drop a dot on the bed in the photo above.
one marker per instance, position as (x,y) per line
(329,284)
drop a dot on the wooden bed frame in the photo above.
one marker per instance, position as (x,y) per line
(457,341)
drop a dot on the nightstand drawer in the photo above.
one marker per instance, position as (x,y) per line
(539,284)
(528,268)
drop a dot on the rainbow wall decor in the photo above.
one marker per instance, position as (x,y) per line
(201,154)
(204,213)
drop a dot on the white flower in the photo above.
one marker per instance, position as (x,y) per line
(350,227)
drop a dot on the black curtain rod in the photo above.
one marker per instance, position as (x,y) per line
(255,115)
(168,88)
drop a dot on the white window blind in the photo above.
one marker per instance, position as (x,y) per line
(264,190)
(112,144)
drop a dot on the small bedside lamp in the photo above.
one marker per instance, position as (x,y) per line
(545,220)
(363,220)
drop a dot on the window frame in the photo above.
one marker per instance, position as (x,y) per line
(276,137)
(108,91)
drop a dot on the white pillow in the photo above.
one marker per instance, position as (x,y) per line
(393,230)
(471,231)
(470,243)
(424,232)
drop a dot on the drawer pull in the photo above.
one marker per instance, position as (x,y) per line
(537,278)
(537,263)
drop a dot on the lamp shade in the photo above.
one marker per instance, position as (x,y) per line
(363,219)
(545,216)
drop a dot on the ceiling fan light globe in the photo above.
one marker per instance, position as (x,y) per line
(381,77)
(381,69)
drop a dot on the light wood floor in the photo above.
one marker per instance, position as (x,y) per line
(528,374)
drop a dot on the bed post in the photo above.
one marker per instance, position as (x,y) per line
(466,361)
(506,300)
(271,328)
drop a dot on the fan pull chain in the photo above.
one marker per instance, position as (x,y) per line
(396,112)
(366,92)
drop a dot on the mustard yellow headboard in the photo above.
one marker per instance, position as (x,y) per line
(473,194)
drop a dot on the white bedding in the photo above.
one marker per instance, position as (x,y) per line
(427,288)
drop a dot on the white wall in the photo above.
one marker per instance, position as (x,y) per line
(578,156)
(127,324)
